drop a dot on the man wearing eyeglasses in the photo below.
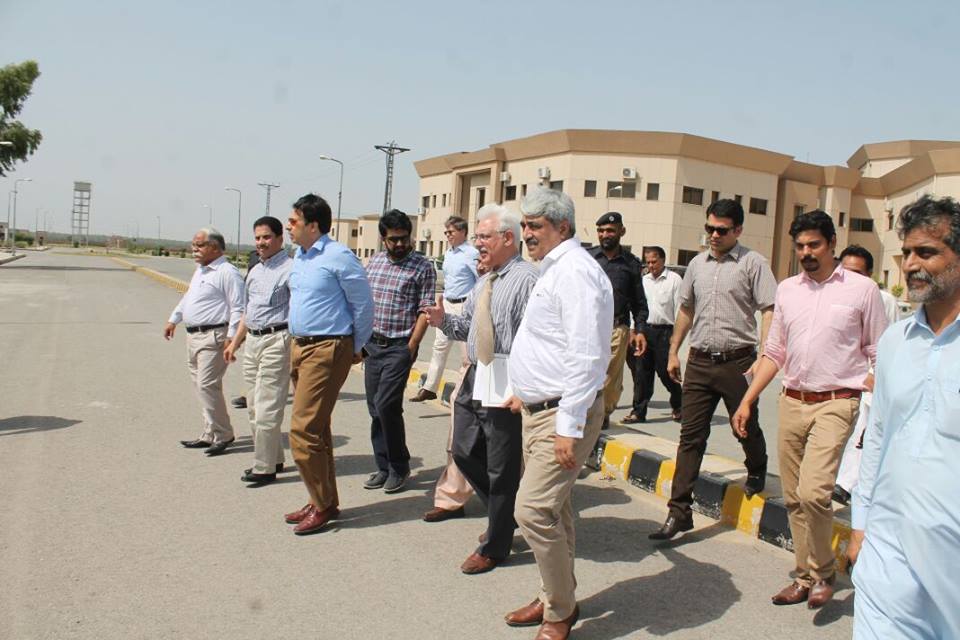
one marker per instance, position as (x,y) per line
(722,290)
(211,309)
(459,276)
(403,285)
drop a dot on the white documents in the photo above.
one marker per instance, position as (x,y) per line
(491,383)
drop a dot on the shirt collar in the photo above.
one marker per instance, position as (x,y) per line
(558,252)
(214,265)
(839,274)
(734,254)
(275,259)
(662,276)
(508,264)
(318,245)
(918,321)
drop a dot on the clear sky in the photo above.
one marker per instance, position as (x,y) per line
(161,105)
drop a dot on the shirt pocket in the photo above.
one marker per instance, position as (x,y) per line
(843,318)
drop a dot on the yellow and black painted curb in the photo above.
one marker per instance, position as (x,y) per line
(162,278)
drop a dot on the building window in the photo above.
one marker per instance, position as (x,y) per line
(758,206)
(653,191)
(353,233)
(425,202)
(433,202)
(481,197)
(861,224)
(622,190)
(443,200)
(556,185)
(361,230)
(714,196)
(889,222)
(886,278)
(510,192)
(738,200)
(684,256)
(590,189)
(843,219)
(692,195)
(797,210)
(523,191)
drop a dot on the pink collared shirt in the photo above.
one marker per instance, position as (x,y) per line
(824,335)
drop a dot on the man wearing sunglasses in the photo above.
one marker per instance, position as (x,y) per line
(722,290)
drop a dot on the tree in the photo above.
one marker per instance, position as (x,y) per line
(16,83)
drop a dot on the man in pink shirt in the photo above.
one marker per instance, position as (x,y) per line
(826,324)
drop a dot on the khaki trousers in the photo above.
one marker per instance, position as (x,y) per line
(266,370)
(811,439)
(453,489)
(318,371)
(613,384)
(207,366)
(441,349)
(544,509)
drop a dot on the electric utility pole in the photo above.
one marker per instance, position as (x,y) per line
(391,150)
(268,186)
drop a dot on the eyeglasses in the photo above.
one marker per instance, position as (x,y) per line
(721,231)
(199,245)
(449,232)
(485,237)
(395,240)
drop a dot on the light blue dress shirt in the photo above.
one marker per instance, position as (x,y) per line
(908,498)
(459,271)
(329,293)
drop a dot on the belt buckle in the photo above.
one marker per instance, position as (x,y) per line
(717,356)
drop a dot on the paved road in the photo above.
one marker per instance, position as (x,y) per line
(109,529)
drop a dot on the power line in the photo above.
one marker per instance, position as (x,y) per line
(268,186)
(391,150)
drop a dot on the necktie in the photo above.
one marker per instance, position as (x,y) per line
(484,320)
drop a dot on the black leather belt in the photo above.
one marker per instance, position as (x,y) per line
(205,327)
(455,300)
(262,332)
(303,341)
(537,407)
(722,356)
(384,341)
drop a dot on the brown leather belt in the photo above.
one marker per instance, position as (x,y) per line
(821,396)
(722,356)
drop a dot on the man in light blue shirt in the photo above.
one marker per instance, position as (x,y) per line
(331,319)
(459,276)
(906,507)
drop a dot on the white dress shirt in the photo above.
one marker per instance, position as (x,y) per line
(890,307)
(663,296)
(562,347)
(215,296)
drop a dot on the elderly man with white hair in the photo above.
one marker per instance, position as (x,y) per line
(486,436)
(557,368)
(211,309)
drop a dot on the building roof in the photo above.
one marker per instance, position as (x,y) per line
(897,149)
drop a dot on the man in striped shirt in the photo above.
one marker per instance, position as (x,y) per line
(403,284)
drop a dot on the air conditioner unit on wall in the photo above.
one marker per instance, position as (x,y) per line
(504,176)
(629,173)
(543,173)
(426,234)
(888,206)
(419,211)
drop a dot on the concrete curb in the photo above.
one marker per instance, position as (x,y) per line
(7,259)
(162,278)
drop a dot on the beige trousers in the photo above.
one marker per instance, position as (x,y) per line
(266,370)
(613,384)
(453,489)
(544,509)
(207,366)
(441,349)
(810,442)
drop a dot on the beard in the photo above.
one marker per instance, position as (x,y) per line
(938,287)
(399,253)
(610,243)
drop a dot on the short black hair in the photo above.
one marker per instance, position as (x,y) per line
(269,221)
(928,213)
(815,220)
(456,222)
(857,251)
(727,208)
(313,208)
(394,219)
(657,250)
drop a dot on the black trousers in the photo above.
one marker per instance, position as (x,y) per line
(705,383)
(654,360)
(488,449)
(385,373)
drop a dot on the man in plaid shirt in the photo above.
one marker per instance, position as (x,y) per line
(403,284)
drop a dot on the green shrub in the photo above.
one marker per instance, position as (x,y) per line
(897,290)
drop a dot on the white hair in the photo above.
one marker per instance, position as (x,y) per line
(213,235)
(507,220)
(555,206)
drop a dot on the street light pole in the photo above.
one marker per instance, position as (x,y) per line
(13,247)
(339,193)
(158,235)
(239,208)
(210,207)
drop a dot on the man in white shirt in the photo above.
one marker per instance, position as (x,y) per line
(557,366)
(211,310)
(662,289)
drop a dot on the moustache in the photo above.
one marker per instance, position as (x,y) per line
(531,242)
(919,276)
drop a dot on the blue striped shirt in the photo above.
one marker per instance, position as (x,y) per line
(268,292)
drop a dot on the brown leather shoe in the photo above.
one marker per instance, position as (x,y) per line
(315,521)
(422,395)
(482,538)
(439,514)
(793,594)
(528,616)
(476,563)
(820,593)
(558,630)
(297,516)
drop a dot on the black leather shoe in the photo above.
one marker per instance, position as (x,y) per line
(247,472)
(218,448)
(258,478)
(671,527)
(240,402)
(195,444)
(755,483)
(841,495)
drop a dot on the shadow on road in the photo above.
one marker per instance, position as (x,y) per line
(29,424)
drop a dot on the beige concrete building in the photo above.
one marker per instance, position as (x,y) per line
(346,232)
(663,182)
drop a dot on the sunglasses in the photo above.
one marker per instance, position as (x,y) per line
(721,231)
